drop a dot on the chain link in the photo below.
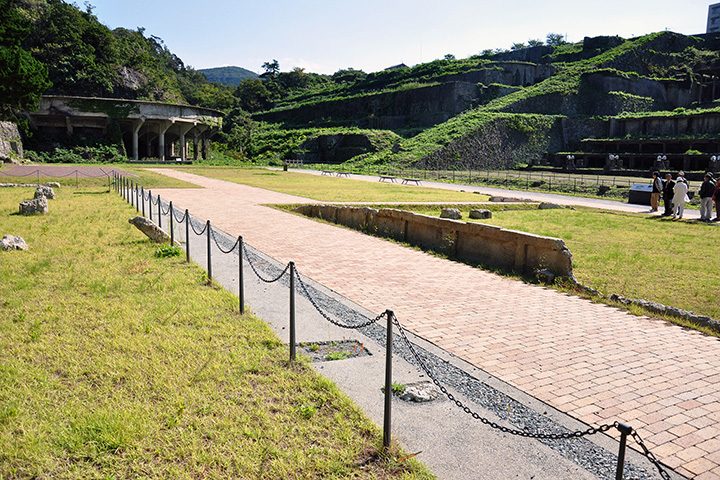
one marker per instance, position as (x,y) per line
(201,231)
(490,423)
(179,220)
(252,266)
(217,244)
(650,456)
(326,316)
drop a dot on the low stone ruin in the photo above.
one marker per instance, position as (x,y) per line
(451,213)
(480,214)
(13,242)
(45,191)
(151,230)
(37,206)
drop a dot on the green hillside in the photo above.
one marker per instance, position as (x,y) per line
(228,75)
(495,108)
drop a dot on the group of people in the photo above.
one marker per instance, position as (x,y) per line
(675,196)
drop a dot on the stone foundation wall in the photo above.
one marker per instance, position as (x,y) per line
(11,148)
(487,245)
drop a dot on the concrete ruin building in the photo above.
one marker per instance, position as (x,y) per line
(154,130)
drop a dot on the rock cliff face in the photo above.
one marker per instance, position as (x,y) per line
(418,107)
(11,148)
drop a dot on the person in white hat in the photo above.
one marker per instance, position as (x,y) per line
(680,197)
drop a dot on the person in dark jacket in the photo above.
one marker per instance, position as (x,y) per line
(657,188)
(707,189)
(668,195)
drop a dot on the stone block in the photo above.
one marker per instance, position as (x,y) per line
(480,214)
(34,207)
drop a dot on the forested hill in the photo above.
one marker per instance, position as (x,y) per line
(84,57)
(228,75)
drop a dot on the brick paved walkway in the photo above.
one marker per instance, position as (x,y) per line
(591,361)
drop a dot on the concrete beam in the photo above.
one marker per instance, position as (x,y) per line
(136,128)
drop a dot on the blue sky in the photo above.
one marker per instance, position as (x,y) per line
(324,36)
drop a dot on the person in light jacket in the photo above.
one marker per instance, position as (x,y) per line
(680,197)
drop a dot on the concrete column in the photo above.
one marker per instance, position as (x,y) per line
(136,128)
(183,143)
(148,142)
(161,138)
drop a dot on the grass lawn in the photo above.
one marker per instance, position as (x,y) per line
(634,255)
(333,189)
(115,363)
(144,177)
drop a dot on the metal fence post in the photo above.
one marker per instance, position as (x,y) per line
(292,311)
(172,230)
(150,203)
(388,379)
(159,212)
(142,194)
(209,260)
(133,196)
(241,279)
(187,235)
(625,430)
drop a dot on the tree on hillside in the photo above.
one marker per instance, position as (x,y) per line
(348,75)
(517,46)
(555,39)
(22,78)
(253,96)
(535,42)
(272,69)
(78,50)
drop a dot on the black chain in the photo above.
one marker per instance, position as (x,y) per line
(326,316)
(650,456)
(179,220)
(201,231)
(476,416)
(163,211)
(217,244)
(247,255)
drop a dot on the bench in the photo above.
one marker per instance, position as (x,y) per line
(387,177)
(327,172)
(343,174)
(406,181)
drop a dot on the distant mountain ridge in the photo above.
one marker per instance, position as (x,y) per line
(227,75)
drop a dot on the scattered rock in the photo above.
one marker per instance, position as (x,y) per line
(548,206)
(497,198)
(33,207)
(480,214)
(420,392)
(452,213)
(52,185)
(153,232)
(45,191)
(544,276)
(13,242)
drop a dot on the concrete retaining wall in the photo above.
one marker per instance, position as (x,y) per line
(487,245)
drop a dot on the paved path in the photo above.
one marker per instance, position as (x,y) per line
(589,360)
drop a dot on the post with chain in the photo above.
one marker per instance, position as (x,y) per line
(625,430)
(292,311)
(142,195)
(172,230)
(159,212)
(187,236)
(209,260)
(388,380)
(241,279)
(150,203)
